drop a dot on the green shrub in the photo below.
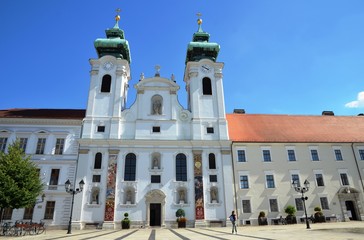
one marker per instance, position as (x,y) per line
(290,210)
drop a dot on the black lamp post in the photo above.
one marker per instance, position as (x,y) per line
(72,192)
(302,190)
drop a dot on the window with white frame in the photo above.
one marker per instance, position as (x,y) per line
(269,181)
(338,155)
(319,179)
(59,146)
(361,154)
(266,155)
(40,146)
(344,179)
(23,143)
(296,179)
(291,155)
(244,182)
(314,155)
(246,206)
(299,204)
(241,155)
(273,205)
(3,141)
(324,203)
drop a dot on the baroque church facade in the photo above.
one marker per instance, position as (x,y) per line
(156,157)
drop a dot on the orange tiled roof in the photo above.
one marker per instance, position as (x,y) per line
(295,128)
(43,113)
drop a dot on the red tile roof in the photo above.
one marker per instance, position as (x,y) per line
(43,113)
(295,128)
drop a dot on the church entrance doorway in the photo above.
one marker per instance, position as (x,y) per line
(351,210)
(155,214)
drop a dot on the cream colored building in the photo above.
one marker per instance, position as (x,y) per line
(270,151)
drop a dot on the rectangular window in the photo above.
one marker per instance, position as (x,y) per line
(324,203)
(213,178)
(156,129)
(100,128)
(273,204)
(291,155)
(3,144)
(49,210)
(296,179)
(155,179)
(244,183)
(361,153)
(270,181)
(319,180)
(23,143)
(96,178)
(241,156)
(338,155)
(344,179)
(246,206)
(299,204)
(210,130)
(59,146)
(266,156)
(40,146)
(28,213)
(53,182)
(7,213)
(314,155)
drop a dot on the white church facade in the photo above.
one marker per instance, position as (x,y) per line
(156,157)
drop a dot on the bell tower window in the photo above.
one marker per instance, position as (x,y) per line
(206,86)
(106,83)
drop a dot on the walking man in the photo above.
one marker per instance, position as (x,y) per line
(233,221)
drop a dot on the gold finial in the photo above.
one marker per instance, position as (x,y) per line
(117,17)
(157,69)
(199,20)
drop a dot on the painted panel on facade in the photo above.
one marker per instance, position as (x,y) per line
(199,200)
(110,189)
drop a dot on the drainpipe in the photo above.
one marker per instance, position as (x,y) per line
(235,193)
(357,166)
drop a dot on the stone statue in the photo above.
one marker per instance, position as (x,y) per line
(213,195)
(155,163)
(95,196)
(157,107)
(128,196)
(181,195)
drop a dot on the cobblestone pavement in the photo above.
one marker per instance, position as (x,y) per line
(323,231)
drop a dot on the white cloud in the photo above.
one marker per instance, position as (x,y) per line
(357,103)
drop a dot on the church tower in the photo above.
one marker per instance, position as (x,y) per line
(203,77)
(110,74)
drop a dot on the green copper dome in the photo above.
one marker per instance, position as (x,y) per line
(200,47)
(114,44)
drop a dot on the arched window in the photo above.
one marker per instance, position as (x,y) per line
(181,167)
(98,161)
(206,86)
(130,167)
(157,105)
(106,83)
(212,162)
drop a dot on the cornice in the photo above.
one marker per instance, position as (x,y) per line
(41,121)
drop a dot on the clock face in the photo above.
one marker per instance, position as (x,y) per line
(206,68)
(108,65)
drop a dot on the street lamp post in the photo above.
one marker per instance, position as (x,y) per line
(72,192)
(302,190)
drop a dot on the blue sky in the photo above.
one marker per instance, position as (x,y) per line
(281,56)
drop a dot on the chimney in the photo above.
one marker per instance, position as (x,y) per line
(328,113)
(239,111)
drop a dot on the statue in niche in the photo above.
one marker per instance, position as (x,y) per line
(95,196)
(155,163)
(157,107)
(213,195)
(128,197)
(182,196)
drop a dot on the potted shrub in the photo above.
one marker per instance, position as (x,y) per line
(291,218)
(181,220)
(125,223)
(262,220)
(319,216)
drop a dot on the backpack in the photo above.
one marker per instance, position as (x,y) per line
(232,218)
